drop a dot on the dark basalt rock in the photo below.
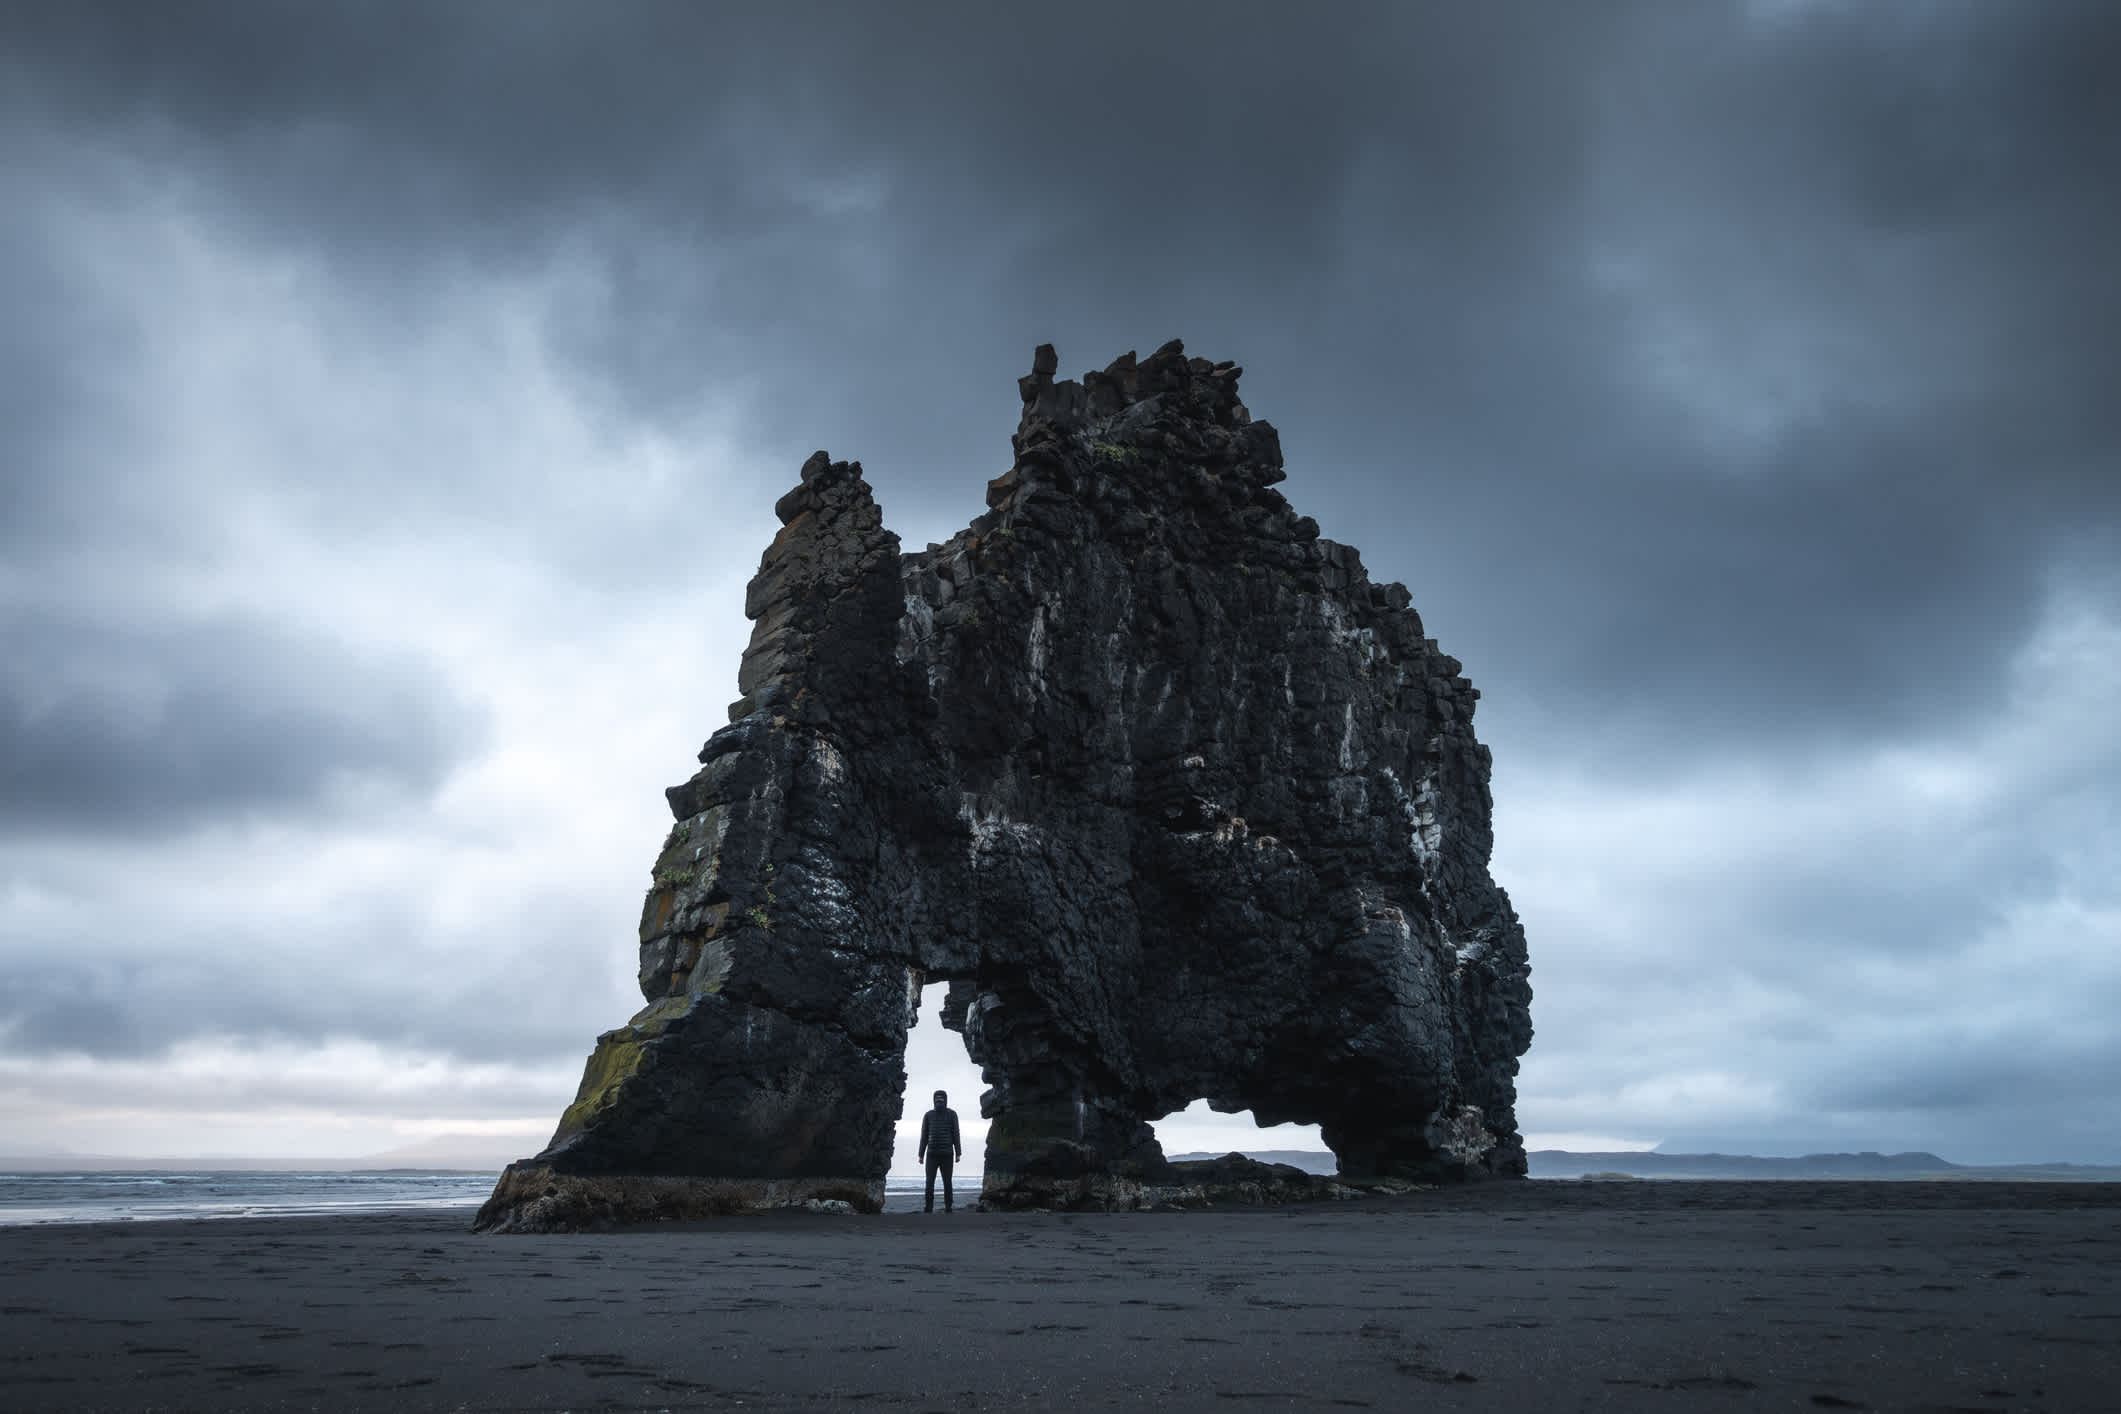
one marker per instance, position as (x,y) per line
(1179,802)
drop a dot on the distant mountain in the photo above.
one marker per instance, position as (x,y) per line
(64,1161)
(1560,1163)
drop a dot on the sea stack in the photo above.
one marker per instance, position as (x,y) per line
(1179,803)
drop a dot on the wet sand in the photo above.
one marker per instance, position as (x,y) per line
(1536,1296)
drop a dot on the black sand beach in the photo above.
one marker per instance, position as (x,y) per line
(1532,1296)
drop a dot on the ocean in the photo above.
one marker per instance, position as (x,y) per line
(102,1197)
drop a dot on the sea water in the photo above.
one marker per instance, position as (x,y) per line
(106,1196)
(103,1196)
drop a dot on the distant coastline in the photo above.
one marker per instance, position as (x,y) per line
(1561,1163)
(1544,1163)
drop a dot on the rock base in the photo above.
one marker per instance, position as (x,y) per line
(532,1198)
(1204,1183)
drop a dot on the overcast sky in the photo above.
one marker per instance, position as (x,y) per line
(393,399)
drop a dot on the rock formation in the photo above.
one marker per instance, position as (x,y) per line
(1176,799)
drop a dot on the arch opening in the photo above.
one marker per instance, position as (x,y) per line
(1197,1132)
(936,1059)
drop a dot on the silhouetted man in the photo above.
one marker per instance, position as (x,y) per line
(941,1147)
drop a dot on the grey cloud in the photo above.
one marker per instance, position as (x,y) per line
(37,385)
(154,731)
(112,980)
(1727,389)
(696,154)
(1967,1083)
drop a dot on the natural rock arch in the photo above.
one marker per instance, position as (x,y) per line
(1180,803)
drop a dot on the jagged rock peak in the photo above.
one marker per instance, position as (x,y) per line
(1205,387)
(1178,801)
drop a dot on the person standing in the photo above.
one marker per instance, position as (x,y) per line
(940,1147)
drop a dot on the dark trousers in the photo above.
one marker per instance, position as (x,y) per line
(939,1163)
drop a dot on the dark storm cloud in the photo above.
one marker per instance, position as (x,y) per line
(1395,217)
(149,732)
(867,209)
(1730,383)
